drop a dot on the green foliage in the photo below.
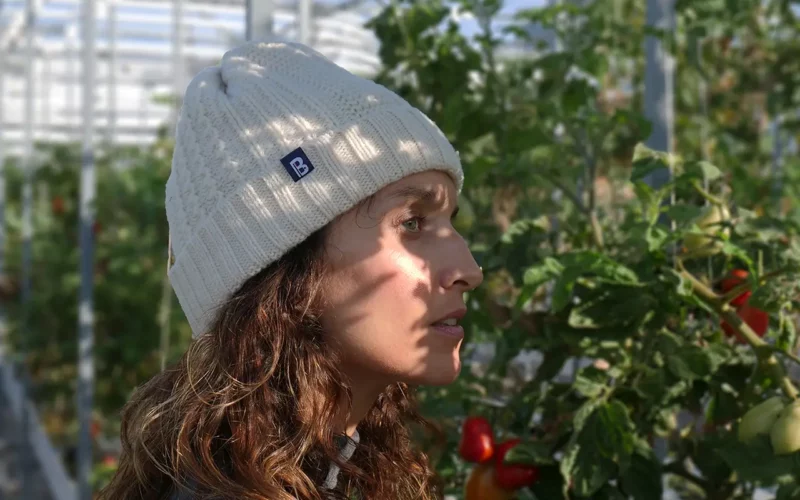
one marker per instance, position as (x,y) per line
(130,263)
(600,272)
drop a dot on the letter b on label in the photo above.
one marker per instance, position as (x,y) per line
(297,164)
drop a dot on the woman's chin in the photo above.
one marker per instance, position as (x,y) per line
(442,373)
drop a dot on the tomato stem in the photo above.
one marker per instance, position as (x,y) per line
(788,355)
(728,313)
(735,292)
(597,229)
(746,286)
(716,200)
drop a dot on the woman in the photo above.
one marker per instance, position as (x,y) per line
(312,251)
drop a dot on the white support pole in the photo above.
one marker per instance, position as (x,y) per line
(304,13)
(3,330)
(259,19)
(27,189)
(26,459)
(85,390)
(69,49)
(178,39)
(112,71)
(659,85)
(47,78)
(659,105)
(72,87)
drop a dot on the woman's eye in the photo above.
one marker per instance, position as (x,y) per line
(413,225)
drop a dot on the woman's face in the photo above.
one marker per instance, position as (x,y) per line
(397,270)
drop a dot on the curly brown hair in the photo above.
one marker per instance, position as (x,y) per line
(248,411)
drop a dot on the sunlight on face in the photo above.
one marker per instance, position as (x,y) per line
(397,269)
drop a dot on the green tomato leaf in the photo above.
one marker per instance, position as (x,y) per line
(683,214)
(690,363)
(550,485)
(586,468)
(530,452)
(614,432)
(790,491)
(562,291)
(647,161)
(643,480)
(651,384)
(709,461)
(540,274)
(601,446)
(590,382)
(701,170)
(756,461)
(599,265)
(775,293)
(656,237)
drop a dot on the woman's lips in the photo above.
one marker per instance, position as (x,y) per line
(456,331)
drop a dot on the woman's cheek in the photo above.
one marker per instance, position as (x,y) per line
(411,270)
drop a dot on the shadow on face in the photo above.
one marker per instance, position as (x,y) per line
(397,267)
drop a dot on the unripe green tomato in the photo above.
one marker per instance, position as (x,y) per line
(711,223)
(760,419)
(785,433)
(466,215)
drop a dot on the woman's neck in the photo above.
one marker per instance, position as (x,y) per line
(365,391)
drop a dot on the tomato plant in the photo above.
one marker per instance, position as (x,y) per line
(658,316)
(130,235)
(736,278)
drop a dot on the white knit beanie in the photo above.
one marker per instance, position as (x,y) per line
(272,145)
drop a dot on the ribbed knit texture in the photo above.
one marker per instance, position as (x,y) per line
(233,207)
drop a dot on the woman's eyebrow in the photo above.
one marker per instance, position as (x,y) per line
(426,196)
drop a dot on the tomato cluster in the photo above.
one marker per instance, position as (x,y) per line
(774,418)
(755,318)
(713,225)
(492,479)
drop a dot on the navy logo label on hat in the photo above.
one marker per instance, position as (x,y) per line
(297,164)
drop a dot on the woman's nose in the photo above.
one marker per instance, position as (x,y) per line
(462,270)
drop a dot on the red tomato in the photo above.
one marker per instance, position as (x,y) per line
(482,485)
(756,319)
(58,205)
(513,477)
(95,428)
(736,278)
(477,440)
